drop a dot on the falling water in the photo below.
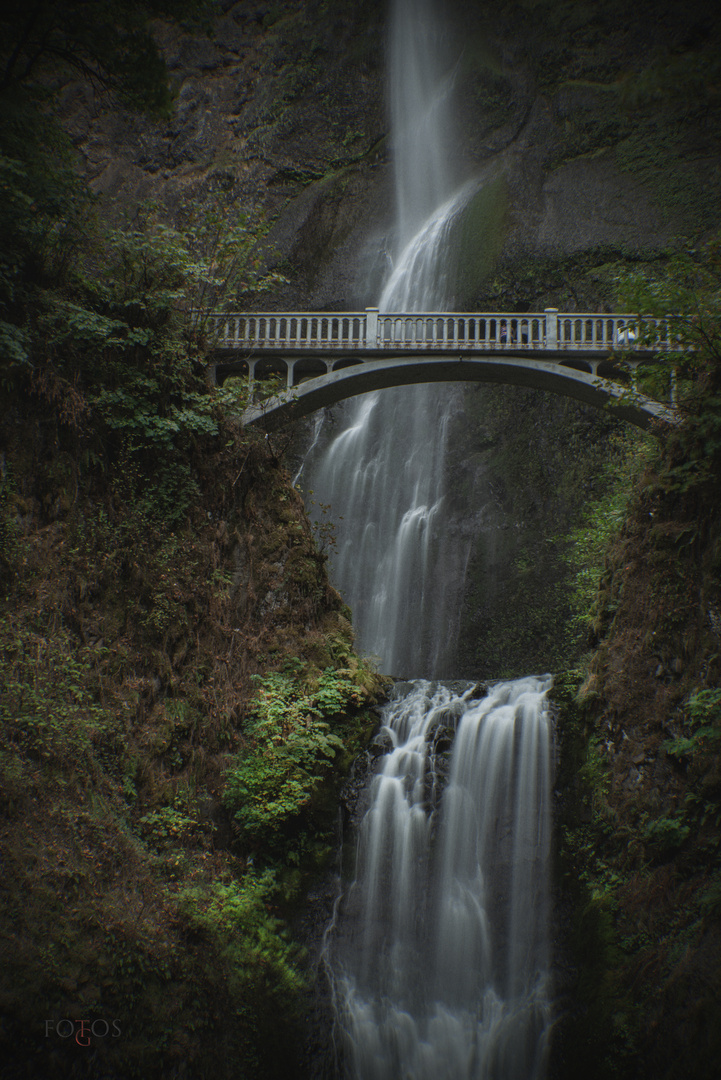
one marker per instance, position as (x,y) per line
(438,956)
(383,471)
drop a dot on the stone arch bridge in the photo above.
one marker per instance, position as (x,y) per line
(326,357)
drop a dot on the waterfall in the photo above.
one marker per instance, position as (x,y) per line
(438,952)
(382,469)
(438,956)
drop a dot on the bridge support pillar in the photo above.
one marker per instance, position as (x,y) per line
(633,364)
(551,328)
(371,341)
(251,379)
(290,364)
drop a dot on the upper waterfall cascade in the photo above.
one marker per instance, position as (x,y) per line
(382,470)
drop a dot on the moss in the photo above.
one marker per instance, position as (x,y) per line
(657,152)
(477,239)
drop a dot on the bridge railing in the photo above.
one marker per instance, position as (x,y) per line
(433,331)
(370,330)
(292,330)
(625,332)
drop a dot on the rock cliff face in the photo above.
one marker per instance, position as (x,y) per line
(280,108)
(283,106)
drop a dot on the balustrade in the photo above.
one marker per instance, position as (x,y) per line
(539,346)
(359,331)
(288,330)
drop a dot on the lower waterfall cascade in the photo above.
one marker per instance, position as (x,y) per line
(438,955)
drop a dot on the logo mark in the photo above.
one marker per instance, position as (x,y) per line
(82,1030)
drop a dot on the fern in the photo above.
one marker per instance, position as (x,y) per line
(290,746)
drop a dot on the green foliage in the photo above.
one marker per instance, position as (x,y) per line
(591,820)
(253,942)
(167,827)
(702,726)
(668,833)
(223,259)
(704,709)
(594,771)
(44,209)
(110,323)
(685,289)
(601,524)
(710,901)
(43,213)
(290,746)
(49,704)
(696,748)
(122,339)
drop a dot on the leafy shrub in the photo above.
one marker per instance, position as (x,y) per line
(602,523)
(290,746)
(167,827)
(703,726)
(254,942)
(667,834)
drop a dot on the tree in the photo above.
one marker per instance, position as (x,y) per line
(109,42)
(685,290)
(44,206)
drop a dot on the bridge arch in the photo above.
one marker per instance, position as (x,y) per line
(316,393)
